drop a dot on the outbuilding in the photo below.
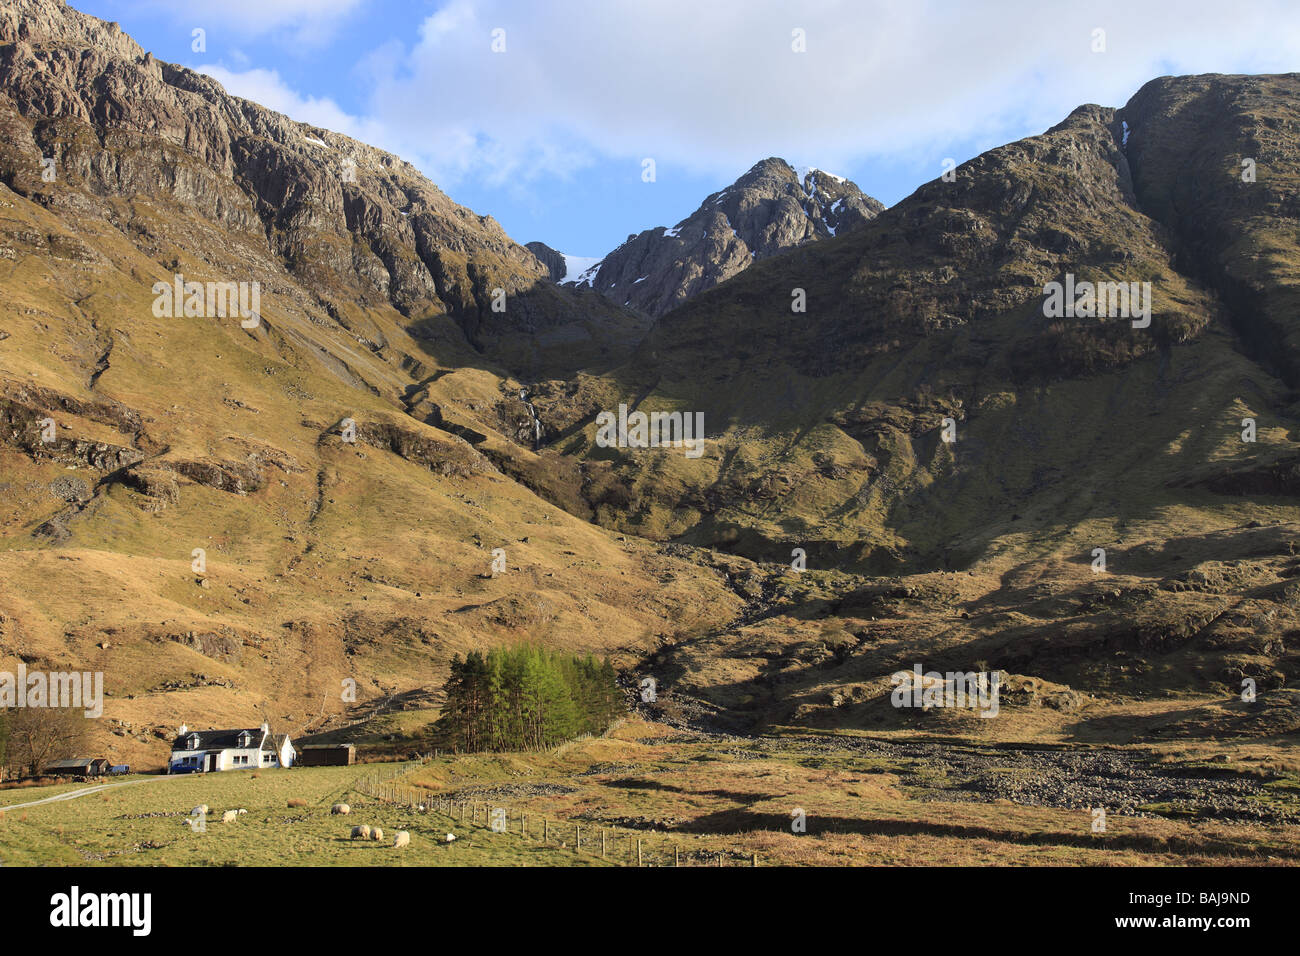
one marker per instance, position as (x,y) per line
(78,767)
(328,755)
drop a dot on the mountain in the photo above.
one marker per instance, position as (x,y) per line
(360,227)
(392,452)
(770,209)
(1078,438)
(554,261)
(234,514)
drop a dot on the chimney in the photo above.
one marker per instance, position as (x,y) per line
(266,727)
(181,732)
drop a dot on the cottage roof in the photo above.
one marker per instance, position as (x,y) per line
(228,739)
(215,739)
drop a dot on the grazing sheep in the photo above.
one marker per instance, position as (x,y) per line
(377,834)
(362,831)
(449,838)
(200,811)
(230,816)
(401,839)
(340,808)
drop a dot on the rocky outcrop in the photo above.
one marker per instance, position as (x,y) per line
(550,258)
(771,209)
(357,226)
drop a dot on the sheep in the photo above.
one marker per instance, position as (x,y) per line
(377,834)
(362,832)
(449,838)
(200,811)
(242,810)
(230,816)
(340,808)
(401,839)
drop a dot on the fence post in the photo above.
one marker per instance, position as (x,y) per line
(546,830)
(602,844)
(577,839)
(638,852)
(677,856)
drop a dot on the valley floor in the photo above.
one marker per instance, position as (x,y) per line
(684,797)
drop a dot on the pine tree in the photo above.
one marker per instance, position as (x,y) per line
(525,698)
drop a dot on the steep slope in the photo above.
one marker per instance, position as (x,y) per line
(1232,201)
(768,210)
(233,519)
(824,423)
(826,431)
(550,258)
(360,227)
(236,515)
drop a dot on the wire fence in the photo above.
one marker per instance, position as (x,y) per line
(616,845)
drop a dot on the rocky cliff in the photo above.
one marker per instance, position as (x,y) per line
(771,209)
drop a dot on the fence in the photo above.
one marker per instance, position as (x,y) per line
(615,844)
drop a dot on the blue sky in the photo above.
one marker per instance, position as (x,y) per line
(548,132)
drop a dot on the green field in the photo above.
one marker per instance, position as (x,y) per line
(681,797)
(141,822)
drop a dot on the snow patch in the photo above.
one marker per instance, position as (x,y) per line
(673,233)
(806,171)
(314,142)
(580,270)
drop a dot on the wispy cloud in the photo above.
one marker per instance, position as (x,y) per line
(712,87)
(310,23)
(268,89)
(716,85)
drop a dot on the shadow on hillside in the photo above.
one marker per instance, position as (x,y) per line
(746,821)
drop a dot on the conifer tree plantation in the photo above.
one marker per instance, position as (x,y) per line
(526,698)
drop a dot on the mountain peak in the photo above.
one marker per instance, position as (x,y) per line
(770,209)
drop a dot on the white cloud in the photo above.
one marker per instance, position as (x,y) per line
(714,86)
(268,89)
(310,22)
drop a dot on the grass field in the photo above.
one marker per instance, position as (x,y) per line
(686,799)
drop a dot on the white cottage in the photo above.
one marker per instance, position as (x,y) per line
(202,751)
